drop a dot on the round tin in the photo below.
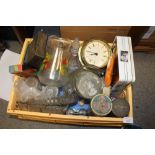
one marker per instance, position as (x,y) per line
(87,84)
(101,105)
(120,108)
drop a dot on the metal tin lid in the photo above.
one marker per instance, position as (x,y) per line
(120,108)
(101,105)
(87,84)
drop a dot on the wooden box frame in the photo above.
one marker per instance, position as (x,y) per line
(67,119)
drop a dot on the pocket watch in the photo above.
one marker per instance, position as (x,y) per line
(87,84)
(95,53)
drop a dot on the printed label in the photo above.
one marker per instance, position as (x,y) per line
(128,120)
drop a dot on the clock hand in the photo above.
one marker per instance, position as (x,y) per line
(94,54)
(90,52)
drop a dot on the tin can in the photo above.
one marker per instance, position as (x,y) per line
(101,105)
(120,107)
(87,84)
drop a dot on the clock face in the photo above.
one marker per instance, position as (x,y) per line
(96,53)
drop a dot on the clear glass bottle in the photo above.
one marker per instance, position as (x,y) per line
(74,62)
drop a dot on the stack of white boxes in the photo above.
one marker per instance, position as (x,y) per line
(126,69)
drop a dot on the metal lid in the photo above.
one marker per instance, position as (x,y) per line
(87,84)
(120,108)
(101,105)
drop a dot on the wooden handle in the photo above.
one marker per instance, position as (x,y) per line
(109,70)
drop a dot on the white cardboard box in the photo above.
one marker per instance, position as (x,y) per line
(126,68)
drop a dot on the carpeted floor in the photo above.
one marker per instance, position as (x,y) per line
(143,97)
(144,90)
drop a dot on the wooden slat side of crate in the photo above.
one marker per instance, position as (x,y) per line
(71,122)
(64,119)
(11,104)
(77,120)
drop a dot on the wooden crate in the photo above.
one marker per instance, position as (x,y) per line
(66,119)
